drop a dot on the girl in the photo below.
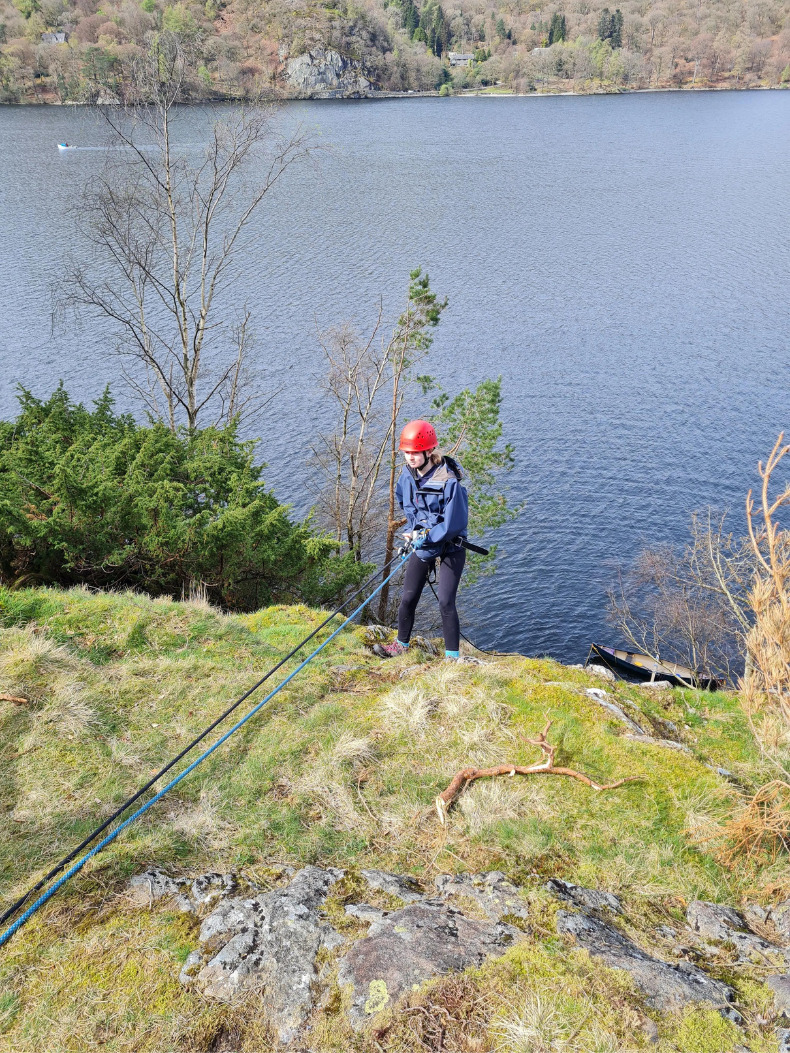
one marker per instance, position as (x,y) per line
(434,502)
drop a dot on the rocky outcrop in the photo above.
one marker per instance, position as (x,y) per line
(326,74)
(780,985)
(597,694)
(666,986)
(586,898)
(280,944)
(491,893)
(720,924)
(271,942)
(402,887)
(409,946)
(189,895)
(601,671)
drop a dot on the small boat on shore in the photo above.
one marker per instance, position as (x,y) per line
(646,668)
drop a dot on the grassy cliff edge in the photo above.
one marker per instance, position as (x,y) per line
(342,769)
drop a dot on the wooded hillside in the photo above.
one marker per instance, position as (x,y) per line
(241,47)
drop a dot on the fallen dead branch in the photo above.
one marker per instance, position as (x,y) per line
(446,799)
(16,699)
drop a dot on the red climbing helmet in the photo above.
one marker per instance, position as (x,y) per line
(418,436)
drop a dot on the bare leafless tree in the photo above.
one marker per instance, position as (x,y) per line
(690,604)
(168,235)
(368,380)
(350,458)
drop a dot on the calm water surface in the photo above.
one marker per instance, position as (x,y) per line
(621,261)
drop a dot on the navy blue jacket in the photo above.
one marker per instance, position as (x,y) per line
(436,502)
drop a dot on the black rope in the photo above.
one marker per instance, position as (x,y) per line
(10,911)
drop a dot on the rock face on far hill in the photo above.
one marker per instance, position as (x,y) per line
(326,74)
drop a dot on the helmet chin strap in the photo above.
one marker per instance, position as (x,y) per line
(426,460)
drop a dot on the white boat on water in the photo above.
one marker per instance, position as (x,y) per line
(66,146)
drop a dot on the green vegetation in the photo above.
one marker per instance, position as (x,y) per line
(91,497)
(610,27)
(471,423)
(558,29)
(341,768)
(425,25)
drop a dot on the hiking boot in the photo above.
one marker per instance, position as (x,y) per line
(390,650)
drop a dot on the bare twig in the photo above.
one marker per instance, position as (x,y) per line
(170,233)
(690,605)
(467,776)
(16,699)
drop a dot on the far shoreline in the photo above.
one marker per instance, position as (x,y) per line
(382,96)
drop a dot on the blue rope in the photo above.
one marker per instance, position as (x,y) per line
(9,932)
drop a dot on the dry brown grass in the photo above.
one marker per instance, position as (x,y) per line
(331,782)
(451,1015)
(767,686)
(489,803)
(408,709)
(34,667)
(760,827)
(202,823)
(542,1024)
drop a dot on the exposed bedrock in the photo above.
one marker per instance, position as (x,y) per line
(324,73)
(409,946)
(667,986)
(279,945)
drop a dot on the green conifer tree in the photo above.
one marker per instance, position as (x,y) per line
(617,29)
(557,29)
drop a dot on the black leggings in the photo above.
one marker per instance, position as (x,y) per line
(417,570)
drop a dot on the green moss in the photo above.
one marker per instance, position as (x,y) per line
(703,1030)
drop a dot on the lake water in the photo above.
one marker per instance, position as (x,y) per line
(622,262)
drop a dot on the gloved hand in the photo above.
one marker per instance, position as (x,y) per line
(418,538)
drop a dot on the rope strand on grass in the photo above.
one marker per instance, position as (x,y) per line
(19,903)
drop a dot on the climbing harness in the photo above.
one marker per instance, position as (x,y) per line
(400,558)
(472,548)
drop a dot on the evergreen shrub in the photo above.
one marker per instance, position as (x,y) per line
(92,497)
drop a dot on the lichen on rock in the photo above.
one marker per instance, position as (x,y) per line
(667,986)
(270,942)
(412,945)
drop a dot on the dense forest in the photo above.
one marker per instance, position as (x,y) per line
(78,50)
